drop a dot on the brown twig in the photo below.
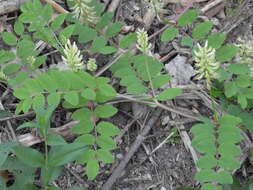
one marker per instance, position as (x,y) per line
(210,5)
(181,112)
(30,139)
(56,7)
(238,18)
(140,138)
(8,6)
(17,116)
(14,137)
(113,6)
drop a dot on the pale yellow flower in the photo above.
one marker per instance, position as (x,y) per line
(91,65)
(72,56)
(84,12)
(142,41)
(245,51)
(3,77)
(206,64)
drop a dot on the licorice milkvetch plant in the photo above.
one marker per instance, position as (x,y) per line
(86,93)
(216,138)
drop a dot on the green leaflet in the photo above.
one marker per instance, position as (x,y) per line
(186,41)
(97,44)
(239,69)
(85,33)
(201,30)
(104,156)
(92,169)
(106,143)
(216,40)
(19,27)
(82,114)
(188,18)
(9,38)
(169,94)
(83,127)
(169,34)
(68,31)
(113,29)
(107,129)
(60,155)
(89,94)
(105,20)
(226,53)
(58,21)
(6,56)
(11,68)
(128,40)
(72,97)
(86,139)
(105,111)
(35,158)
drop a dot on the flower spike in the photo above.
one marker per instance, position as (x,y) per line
(72,56)
(142,41)
(206,63)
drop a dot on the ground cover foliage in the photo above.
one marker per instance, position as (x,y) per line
(80,89)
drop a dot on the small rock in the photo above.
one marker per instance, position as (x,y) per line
(119,156)
(180,70)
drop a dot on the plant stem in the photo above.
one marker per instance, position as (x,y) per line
(149,77)
(46,162)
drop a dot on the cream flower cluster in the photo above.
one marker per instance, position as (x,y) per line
(142,41)
(3,77)
(84,12)
(91,65)
(72,56)
(156,6)
(245,51)
(206,64)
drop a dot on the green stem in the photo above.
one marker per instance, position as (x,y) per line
(149,77)
(46,163)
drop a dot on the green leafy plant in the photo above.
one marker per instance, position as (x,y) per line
(216,139)
(239,77)
(28,159)
(218,144)
(74,88)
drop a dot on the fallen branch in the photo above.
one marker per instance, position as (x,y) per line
(140,138)
(56,7)
(30,139)
(8,6)
(210,5)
